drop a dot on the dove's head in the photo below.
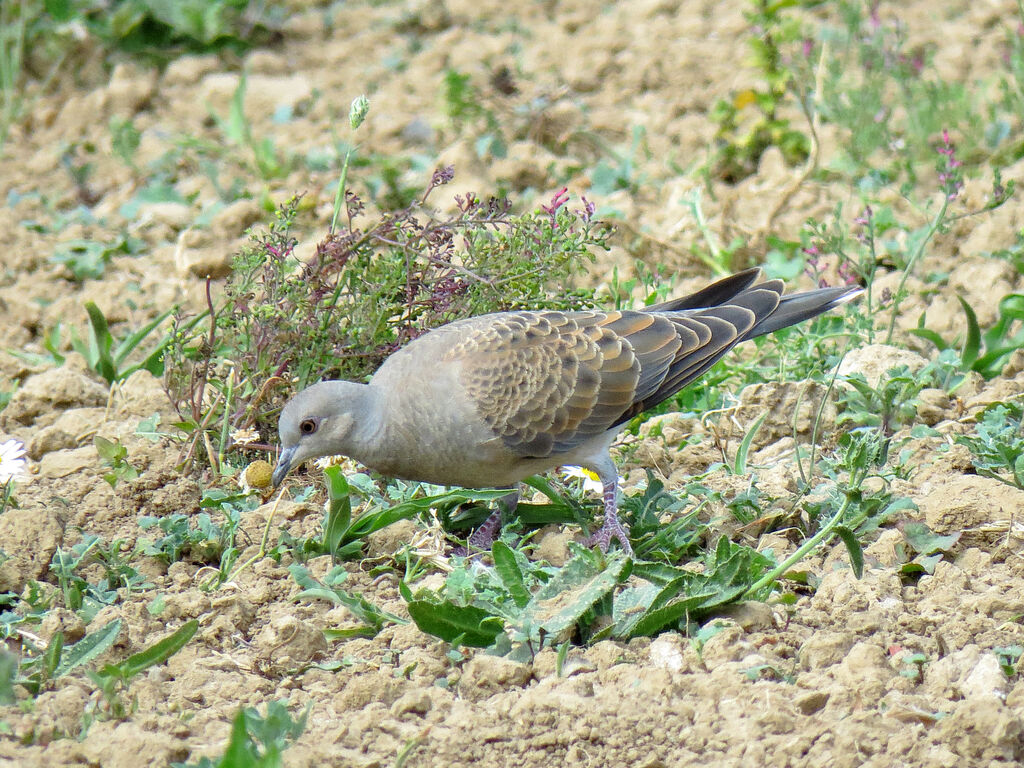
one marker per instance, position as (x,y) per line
(320,421)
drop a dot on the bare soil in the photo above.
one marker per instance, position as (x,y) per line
(824,682)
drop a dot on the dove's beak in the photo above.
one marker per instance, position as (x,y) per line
(284,464)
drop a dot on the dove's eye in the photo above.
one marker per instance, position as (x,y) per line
(308,427)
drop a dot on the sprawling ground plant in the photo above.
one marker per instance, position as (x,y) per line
(377,282)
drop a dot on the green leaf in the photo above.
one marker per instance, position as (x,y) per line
(854,549)
(100,342)
(157,653)
(508,571)
(572,591)
(51,658)
(338,517)
(740,464)
(668,615)
(972,344)
(924,542)
(108,450)
(477,627)
(629,606)
(89,647)
(932,336)
(149,428)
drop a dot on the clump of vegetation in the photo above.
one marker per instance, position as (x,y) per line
(997,444)
(377,282)
(40,38)
(752,119)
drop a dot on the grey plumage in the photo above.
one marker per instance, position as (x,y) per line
(489,400)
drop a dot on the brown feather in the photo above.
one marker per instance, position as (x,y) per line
(546,382)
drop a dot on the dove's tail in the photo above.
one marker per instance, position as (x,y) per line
(798,307)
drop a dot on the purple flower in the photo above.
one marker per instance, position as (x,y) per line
(560,198)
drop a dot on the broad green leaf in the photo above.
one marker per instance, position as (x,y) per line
(338,517)
(972,344)
(925,542)
(508,571)
(476,627)
(572,591)
(89,647)
(668,615)
(51,658)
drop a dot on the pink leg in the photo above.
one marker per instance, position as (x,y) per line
(612,527)
(483,537)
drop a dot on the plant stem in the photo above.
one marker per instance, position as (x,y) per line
(820,537)
(897,297)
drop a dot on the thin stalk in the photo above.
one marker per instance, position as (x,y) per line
(820,537)
(897,297)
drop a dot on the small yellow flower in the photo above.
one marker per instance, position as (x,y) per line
(256,476)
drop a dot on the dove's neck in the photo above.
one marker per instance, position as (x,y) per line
(366,410)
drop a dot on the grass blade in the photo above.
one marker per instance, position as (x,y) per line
(158,652)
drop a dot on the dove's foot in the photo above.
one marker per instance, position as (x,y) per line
(612,528)
(483,537)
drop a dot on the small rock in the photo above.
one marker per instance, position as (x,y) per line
(264,62)
(553,546)
(130,88)
(234,219)
(486,675)
(72,429)
(875,360)
(730,644)
(142,394)
(29,537)
(65,621)
(186,70)
(387,541)
(68,462)
(416,702)
(811,702)
(933,406)
(48,393)
(865,668)
(667,652)
(289,641)
(823,649)
(979,507)
(175,216)
(418,132)
(1015,364)
(266,94)
(194,261)
(752,616)
(986,679)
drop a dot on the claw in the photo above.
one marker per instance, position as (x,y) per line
(612,528)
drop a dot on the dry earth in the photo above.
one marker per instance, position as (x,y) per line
(830,689)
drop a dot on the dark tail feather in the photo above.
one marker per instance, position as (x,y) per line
(803,306)
(717,293)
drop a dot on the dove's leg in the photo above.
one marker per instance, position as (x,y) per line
(612,528)
(482,538)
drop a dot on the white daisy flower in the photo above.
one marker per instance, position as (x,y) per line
(11,462)
(244,436)
(591,482)
(330,461)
